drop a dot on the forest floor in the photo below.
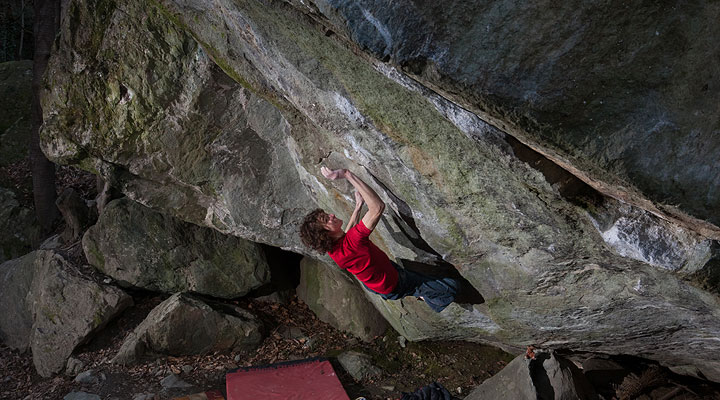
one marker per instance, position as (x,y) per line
(459,366)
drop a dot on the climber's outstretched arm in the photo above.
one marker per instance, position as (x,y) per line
(375,205)
(355,217)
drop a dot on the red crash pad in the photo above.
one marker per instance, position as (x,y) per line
(311,379)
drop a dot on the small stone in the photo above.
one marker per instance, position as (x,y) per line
(388,388)
(187,369)
(237,358)
(173,381)
(310,344)
(87,378)
(292,333)
(81,396)
(459,390)
(107,280)
(402,341)
(358,365)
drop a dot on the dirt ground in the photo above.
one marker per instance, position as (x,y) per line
(459,366)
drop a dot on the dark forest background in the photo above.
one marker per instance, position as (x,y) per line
(16,30)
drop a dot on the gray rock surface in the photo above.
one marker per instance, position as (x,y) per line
(144,396)
(76,214)
(81,396)
(173,381)
(251,98)
(359,365)
(16,319)
(50,308)
(183,325)
(143,248)
(634,109)
(66,309)
(513,382)
(74,366)
(89,377)
(547,377)
(337,299)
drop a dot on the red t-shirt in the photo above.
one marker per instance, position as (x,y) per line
(356,253)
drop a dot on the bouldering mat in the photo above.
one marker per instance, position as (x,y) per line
(310,379)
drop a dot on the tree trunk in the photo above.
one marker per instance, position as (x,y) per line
(22,28)
(46,25)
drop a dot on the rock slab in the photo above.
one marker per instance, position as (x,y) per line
(359,365)
(67,308)
(143,248)
(546,377)
(51,308)
(338,300)
(184,325)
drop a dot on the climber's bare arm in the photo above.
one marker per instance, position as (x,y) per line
(375,205)
(356,212)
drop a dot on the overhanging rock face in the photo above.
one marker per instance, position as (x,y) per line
(222,113)
(622,93)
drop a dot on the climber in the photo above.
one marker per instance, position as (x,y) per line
(352,250)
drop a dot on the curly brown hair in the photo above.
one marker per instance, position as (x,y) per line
(313,233)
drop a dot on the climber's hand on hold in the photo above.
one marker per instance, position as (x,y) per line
(333,174)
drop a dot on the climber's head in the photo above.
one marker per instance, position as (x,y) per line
(320,230)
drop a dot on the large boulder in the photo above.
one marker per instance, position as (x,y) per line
(144,248)
(16,320)
(546,377)
(46,299)
(336,298)
(221,113)
(183,325)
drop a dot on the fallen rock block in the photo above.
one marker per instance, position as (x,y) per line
(359,365)
(184,325)
(336,299)
(548,376)
(81,396)
(143,248)
(173,381)
(50,307)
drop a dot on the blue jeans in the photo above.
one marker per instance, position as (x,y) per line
(438,293)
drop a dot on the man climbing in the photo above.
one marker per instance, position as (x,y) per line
(352,249)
